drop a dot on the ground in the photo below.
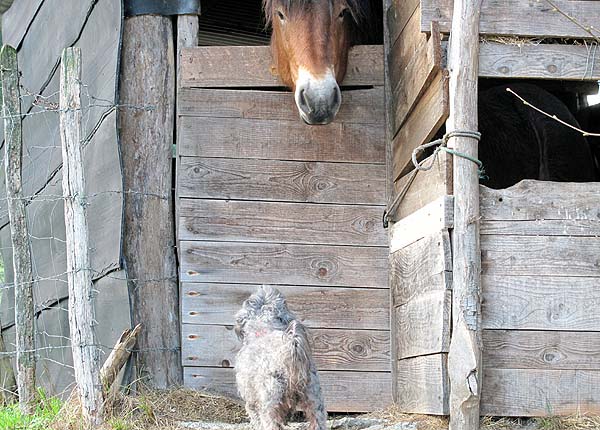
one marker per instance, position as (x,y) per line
(182,409)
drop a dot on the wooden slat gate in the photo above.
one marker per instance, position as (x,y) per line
(264,199)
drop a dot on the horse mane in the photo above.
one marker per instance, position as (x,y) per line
(360,10)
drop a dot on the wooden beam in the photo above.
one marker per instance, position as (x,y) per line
(84,345)
(147,153)
(520,18)
(221,67)
(423,384)
(23,277)
(333,349)
(464,357)
(538,61)
(339,388)
(317,307)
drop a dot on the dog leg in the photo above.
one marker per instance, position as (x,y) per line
(313,405)
(254,416)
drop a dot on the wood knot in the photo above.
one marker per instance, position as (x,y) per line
(322,272)
(225,363)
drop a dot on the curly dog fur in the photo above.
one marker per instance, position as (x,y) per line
(275,372)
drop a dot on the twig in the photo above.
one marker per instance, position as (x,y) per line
(554,117)
(588,30)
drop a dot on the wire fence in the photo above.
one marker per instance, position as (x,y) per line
(44,200)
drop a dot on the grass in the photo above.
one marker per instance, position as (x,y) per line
(46,411)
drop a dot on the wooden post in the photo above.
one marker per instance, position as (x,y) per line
(79,276)
(147,78)
(23,279)
(187,32)
(464,358)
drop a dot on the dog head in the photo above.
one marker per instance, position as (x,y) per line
(265,307)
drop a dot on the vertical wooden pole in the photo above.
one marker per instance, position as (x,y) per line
(79,276)
(464,358)
(23,279)
(147,78)
(187,32)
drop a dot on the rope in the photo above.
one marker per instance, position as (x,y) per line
(423,167)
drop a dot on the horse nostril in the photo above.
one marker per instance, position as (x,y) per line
(304,102)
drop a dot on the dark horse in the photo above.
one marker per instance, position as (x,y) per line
(310,43)
(518,142)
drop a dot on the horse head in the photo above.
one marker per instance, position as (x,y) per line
(310,43)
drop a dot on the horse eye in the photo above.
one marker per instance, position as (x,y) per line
(343,13)
(281,15)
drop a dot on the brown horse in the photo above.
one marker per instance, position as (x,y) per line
(310,44)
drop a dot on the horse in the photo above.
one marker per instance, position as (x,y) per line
(310,41)
(517,142)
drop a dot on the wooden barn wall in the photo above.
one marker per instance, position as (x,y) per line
(540,248)
(40,29)
(263,198)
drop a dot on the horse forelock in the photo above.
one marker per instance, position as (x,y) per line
(360,10)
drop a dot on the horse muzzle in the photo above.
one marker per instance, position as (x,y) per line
(318,99)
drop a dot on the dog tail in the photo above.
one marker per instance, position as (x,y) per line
(299,369)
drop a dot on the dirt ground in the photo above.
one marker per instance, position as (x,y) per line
(182,409)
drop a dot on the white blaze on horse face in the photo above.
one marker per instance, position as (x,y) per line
(318,98)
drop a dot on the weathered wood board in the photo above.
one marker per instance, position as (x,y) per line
(538,61)
(353,308)
(542,350)
(422,384)
(343,391)
(277,180)
(521,18)
(534,392)
(245,66)
(333,349)
(256,221)
(540,302)
(358,106)
(277,263)
(280,140)
(423,123)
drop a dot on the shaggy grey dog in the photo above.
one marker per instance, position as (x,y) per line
(274,369)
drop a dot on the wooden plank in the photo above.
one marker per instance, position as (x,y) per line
(316,307)
(244,221)
(86,358)
(422,124)
(542,350)
(427,186)
(423,385)
(363,106)
(528,392)
(397,16)
(423,324)
(516,17)
(244,66)
(414,61)
(283,264)
(281,140)
(333,349)
(412,267)
(339,388)
(540,303)
(568,227)
(539,61)
(16,21)
(541,200)
(435,216)
(543,256)
(276,180)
